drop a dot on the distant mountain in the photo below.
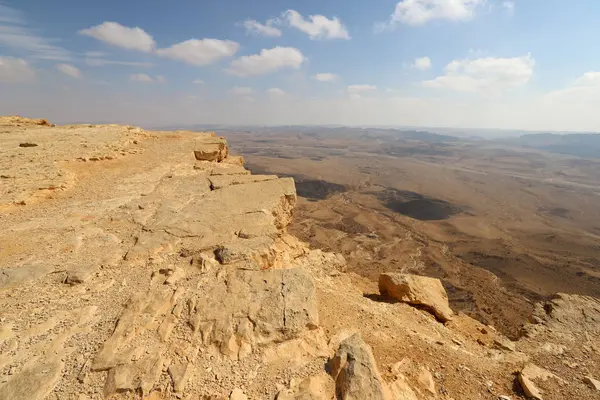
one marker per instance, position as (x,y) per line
(576,144)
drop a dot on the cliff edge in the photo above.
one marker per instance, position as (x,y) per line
(138,264)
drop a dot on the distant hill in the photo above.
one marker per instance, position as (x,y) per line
(576,144)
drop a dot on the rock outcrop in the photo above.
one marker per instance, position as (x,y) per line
(417,290)
(153,264)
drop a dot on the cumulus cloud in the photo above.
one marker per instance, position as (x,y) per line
(69,70)
(140,78)
(145,78)
(276,92)
(422,63)
(317,26)
(254,27)
(15,70)
(118,35)
(198,82)
(419,12)
(485,74)
(200,51)
(268,60)
(325,77)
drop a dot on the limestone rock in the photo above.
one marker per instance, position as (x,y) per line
(227,169)
(180,374)
(355,372)
(417,290)
(591,382)
(238,394)
(210,149)
(505,344)
(35,382)
(530,373)
(426,380)
(18,275)
(318,387)
(401,390)
(221,181)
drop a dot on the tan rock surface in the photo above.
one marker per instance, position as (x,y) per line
(417,290)
(355,371)
(135,276)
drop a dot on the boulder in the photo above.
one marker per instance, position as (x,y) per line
(417,290)
(210,149)
(355,372)
(530,373)
(319,387)
(591,382)
(237,394)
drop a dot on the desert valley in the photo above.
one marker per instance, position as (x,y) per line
(299,264)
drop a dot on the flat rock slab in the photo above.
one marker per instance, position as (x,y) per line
(218,182)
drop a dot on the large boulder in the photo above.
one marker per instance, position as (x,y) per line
(210,148)
(417,290)
(355,372)
(529,374)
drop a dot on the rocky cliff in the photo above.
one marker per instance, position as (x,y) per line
(137,264)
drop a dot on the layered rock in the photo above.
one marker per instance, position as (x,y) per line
(163,268)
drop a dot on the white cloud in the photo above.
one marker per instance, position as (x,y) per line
(419,12)
(276,92)
(318,26)
(200,51)
(325,77)
(355,92)
(15,70)
(584,89)
(241,90)
(100,62)
(198,82)
(509,6)
(140,78)
(490,75)
(160,79)
(267,61)
(256,28)
(118,35)
(16,35)
(69,70)
(422,63)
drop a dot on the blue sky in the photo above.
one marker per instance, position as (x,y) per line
(522,64)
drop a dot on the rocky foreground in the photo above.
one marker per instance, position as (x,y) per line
(137,264)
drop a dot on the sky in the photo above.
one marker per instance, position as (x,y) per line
(501,64)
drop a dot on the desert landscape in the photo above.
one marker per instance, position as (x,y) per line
(142,264)
(502,225)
